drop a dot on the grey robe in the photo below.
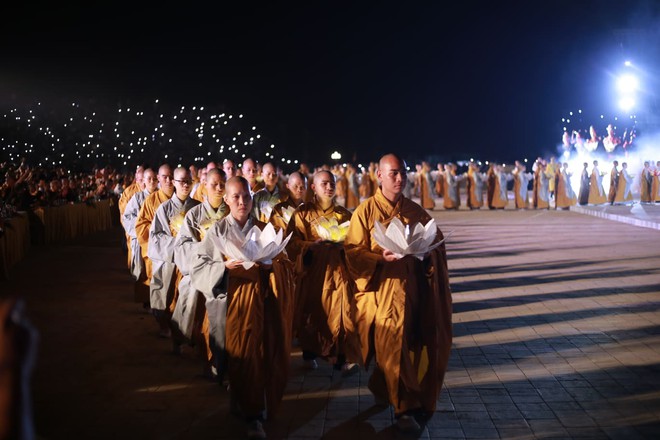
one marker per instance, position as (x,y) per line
(161,249)
(198,219)
(207,273)
(128,221)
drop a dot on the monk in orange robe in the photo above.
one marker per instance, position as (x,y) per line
(296,186)
(257,339)
(425,184)
(323,288)
(403,305)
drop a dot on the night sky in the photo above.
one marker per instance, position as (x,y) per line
(478,79)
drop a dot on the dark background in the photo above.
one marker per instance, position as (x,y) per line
(431,80)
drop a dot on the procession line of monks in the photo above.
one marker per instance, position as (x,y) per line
(346,302)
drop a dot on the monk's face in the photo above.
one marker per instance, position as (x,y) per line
(165,179)
(296,187)
(215,189)
(324,185)
(269,175)
(249,170)
(150,181)
(182,183)
(392,176)
(239,200)
(229,168)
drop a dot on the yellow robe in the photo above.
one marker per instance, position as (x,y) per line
(646,186)
(403,309)
(278,216)
(323,287)
(623,189)
(520,202)
(474,198)
(562,199)
(142,225)
(596,192)
(495,200)
(123,201)
(426,191)
(614,183)
(352,190)
(655,187)
(200,193)
(257,327)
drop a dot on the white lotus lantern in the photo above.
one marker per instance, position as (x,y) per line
(329,229)
(256,246)
(287,212)
(406,240)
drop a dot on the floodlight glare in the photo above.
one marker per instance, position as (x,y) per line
(626,103)
(627,83)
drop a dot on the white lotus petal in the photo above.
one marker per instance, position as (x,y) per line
(417,243)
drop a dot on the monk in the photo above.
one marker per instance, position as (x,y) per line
(624,186)
(136,186)
(129,220)
(143,225)
(249,171)
(452,196)
(596,191)
(403,305)
(565,197)
(352,187)
(614,182)
(323,288)
(475,187)
(426,187)
(270,195)
(296,186)
(257,342)
(191,314)
(165,226)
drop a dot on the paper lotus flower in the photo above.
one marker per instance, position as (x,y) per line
(266,208)
(329,229)
(287,212)
(257,246)
(406,240)
(176,221)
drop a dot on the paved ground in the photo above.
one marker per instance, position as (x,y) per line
(556,321)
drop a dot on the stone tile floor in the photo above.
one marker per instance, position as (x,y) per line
(556,322)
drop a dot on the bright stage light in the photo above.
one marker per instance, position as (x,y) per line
(627,83)
(626,103)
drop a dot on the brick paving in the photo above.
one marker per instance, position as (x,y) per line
(556,322)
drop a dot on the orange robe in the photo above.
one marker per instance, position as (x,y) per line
(123,201)
(614,183)
(624,188)
(495,200)
(142,226)
(440,184)
(596,192)
(257,335)
(200,192)
(403,308)
(646,186)
(426,190)
(475,199)
(655,187)
(323,287)
(281,214)
(565,197)
(352,190)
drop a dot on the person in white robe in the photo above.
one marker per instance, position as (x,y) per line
(162,233)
